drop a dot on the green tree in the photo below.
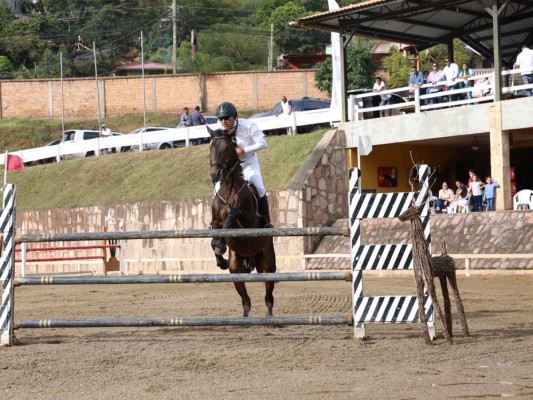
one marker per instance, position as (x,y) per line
(50,65)
(399,66)
(6,68)
(292,40)
(360,68)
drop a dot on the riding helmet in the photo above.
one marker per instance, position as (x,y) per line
(226,109)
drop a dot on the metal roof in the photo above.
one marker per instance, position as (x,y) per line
(426,23)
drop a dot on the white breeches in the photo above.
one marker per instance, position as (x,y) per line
(252,173)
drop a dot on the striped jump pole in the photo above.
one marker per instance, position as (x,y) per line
(185,321)
(7,264)
(385,309)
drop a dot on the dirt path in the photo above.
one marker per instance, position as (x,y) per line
(297,362)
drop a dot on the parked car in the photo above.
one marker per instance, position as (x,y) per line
(78,135)
(302,104)
(155,145)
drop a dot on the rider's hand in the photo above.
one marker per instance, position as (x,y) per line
(240,150)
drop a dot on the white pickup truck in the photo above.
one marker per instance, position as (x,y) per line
(79,135)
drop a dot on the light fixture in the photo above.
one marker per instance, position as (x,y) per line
(475,146)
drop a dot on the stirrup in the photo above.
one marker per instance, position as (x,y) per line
(269,225)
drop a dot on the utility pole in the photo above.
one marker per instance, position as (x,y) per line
(174,44)
(271,63)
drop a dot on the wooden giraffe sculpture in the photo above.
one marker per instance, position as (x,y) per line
(443,267)
(422,269)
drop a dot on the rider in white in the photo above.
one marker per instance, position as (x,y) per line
(250,139)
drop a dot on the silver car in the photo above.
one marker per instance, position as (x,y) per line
(156,145)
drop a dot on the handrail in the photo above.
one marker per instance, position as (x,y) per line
(480,93)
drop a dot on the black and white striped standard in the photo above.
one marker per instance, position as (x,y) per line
(7,264)
(385,309)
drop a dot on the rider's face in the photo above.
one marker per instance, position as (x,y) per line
(228,123)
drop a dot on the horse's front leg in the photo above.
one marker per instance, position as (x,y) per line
(237,267)
(218,244)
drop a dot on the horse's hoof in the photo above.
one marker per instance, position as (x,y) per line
(222,263)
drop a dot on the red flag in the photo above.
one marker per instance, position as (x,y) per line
(14,163)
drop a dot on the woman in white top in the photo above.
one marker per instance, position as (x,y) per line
(446,196)
(474,189)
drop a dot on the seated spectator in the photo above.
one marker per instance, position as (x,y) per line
(481,88)
(446,197)
(461,192)
(461,197)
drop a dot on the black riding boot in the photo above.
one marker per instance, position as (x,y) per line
(263,206)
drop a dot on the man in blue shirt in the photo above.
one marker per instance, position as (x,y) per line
(416,78)
(197,118)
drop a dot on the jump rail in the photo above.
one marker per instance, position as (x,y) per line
(172,234)
(184,321)
(200,278)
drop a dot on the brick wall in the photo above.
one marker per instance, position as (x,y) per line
(255,90)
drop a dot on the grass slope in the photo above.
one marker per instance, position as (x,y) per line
(147,176)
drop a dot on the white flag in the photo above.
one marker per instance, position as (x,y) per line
(336,95)
(364,147)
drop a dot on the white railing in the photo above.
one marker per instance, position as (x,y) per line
(480,91)
(77,149)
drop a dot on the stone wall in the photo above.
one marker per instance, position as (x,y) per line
(249,90)
(499,232)
(316,196)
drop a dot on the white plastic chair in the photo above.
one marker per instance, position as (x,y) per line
(460,205)
(523,198)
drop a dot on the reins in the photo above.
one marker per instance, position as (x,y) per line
(229,172)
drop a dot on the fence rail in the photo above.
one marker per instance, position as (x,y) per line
(186,135)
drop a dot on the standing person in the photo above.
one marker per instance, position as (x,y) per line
(286,109)
(381,86)
(197,118)
(451,71)
(490,189)
(446,197)
(435,76)
(185,117)
(416,79)
(465,73)
(477,195)
(250,140)
(105,132)
(524,60)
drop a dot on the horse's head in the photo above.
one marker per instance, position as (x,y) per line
(224,159)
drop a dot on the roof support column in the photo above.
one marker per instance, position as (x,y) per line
(450,50)
(497,54)
(500,157)
(344,98)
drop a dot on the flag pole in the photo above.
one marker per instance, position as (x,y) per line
(5,170)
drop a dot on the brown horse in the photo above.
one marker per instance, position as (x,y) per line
(235,205)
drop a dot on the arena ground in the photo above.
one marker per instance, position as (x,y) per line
(296,362)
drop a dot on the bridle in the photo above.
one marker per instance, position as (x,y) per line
(223,166)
